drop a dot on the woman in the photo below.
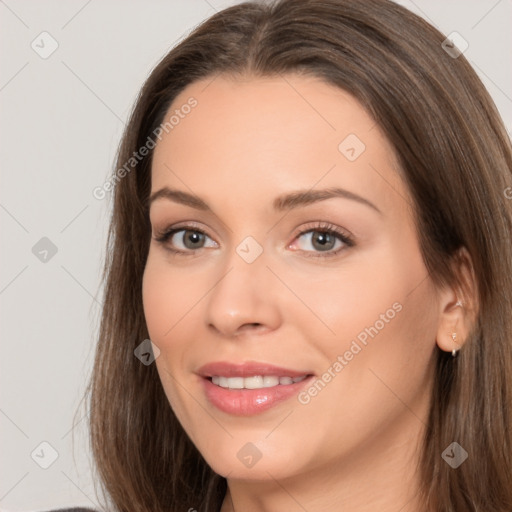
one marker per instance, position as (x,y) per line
(312,226)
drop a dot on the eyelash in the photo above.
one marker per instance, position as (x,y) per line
(322,227)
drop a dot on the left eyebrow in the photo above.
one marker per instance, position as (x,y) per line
(287,201)
(305,197)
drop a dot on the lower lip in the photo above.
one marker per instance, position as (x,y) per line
(248,402)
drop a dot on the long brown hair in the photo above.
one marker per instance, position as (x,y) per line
(455,156)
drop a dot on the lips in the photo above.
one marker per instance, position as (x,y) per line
(250,388)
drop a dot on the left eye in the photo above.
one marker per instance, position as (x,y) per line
(321,241)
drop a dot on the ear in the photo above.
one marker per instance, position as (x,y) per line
(458,305)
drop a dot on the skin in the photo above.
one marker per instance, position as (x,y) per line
(355,444)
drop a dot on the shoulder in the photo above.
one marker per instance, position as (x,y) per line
(72,509)
(67,509)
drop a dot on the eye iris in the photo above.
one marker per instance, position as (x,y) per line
(192,239)
(326,240)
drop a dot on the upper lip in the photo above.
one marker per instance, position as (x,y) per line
(247,369)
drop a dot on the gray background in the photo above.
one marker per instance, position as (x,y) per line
(61,120)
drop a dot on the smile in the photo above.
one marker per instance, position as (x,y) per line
(254,382)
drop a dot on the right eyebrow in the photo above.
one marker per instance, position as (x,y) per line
(180,197)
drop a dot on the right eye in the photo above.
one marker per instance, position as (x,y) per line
(184,240)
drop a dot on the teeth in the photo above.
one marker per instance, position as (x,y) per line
(269,382)
(255,382)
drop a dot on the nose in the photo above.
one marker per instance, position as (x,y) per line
(245,299)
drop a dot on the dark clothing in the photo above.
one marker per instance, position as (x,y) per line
(75,509)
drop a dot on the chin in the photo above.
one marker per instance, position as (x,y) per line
(245,460)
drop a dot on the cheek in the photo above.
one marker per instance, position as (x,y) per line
(157,300)
(343,304)
(381,313)
(169,295)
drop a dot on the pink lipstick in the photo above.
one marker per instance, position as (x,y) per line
(250,388)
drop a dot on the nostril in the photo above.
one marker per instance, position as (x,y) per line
(253,325)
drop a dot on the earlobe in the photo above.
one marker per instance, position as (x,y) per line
(458,307)
(455,350)
(452,331)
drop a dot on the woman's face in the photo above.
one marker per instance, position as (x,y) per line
(297,257)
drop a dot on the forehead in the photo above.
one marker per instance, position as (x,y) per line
(276,109)
(272,133)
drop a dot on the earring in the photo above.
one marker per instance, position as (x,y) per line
(454,338)
(460,303)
